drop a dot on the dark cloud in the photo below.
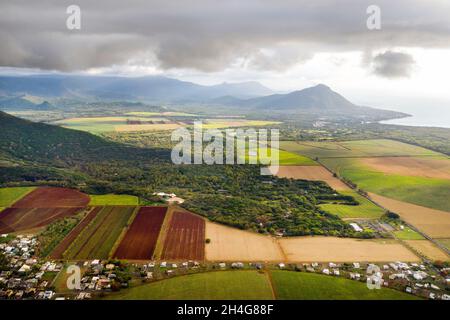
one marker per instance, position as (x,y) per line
(209,35)
(391,64)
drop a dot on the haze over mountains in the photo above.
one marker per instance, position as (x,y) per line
(233,97)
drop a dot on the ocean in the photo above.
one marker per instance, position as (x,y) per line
(424,117)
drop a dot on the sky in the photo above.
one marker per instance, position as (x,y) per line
(286,45)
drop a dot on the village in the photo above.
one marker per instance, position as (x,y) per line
(25,276)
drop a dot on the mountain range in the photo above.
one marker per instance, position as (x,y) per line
(245,97)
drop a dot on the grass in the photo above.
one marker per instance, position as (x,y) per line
(444,242)
(99,237)
(10,195)
(113,200)
(285,158)
(408,234)
(291,285)
(357,148)
(365,209)
(428,192)
(229,285)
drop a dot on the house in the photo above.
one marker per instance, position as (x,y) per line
(222,265)
(175,200)
(408,289)
(356,265)
(356,227)
(326,271)
(281,265)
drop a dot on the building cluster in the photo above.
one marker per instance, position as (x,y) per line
(22,276)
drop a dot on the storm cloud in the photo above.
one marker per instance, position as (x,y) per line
(392,64)
(214,35)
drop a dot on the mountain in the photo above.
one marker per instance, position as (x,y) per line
(33,142)
(319,100)
(149,88)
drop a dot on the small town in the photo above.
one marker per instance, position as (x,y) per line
(25,276)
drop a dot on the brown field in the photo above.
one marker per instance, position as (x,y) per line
(314,173)
(50,197)
(140,240)
(434,223)
(411,166)
(185,237)
(230,244)
(428,249)
(20,219)
(147,127)
(322,249)
(57,253)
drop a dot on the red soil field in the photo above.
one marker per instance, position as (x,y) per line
(50,197)
(185,238)
(70,237)
(19,219)
(140,240)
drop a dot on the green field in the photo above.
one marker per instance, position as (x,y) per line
(238,285)
(99,237)
(428,192)
(285,158)
(308,286)
(408,234)
(113,200)
(10,195)
(365,209)
(357,148)
(227,285)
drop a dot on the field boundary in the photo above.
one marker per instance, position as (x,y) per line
(159,247)
(123,233)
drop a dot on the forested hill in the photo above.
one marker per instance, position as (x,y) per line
(48,144)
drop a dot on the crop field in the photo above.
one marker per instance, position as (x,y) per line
(231,244)
(10,195)
(357,148)
(218,285)
(313,173)
(185,237)
(428,167)
(59,250)
(428,249)
(445,243)
(140,239)
(229,123)
(113,200)
(365,209)
(408,234)
(311,249)
(291,285)
(285,158)
(434,223)
(50,197)
(120,123)
(98,238)
(20,219)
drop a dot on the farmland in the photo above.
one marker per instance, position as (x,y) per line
(140,239)
(313,173)
(428,249)
(357,148)
(21,219)
(285,158)
(434,223)
(50,197)
(59,250)
(99,237)
(10,195)
(308,286)
(230,244)
(113,200)
(312,249)
(365,209)
(227,285)
(185,237)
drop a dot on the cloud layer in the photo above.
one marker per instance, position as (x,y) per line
(214,35)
